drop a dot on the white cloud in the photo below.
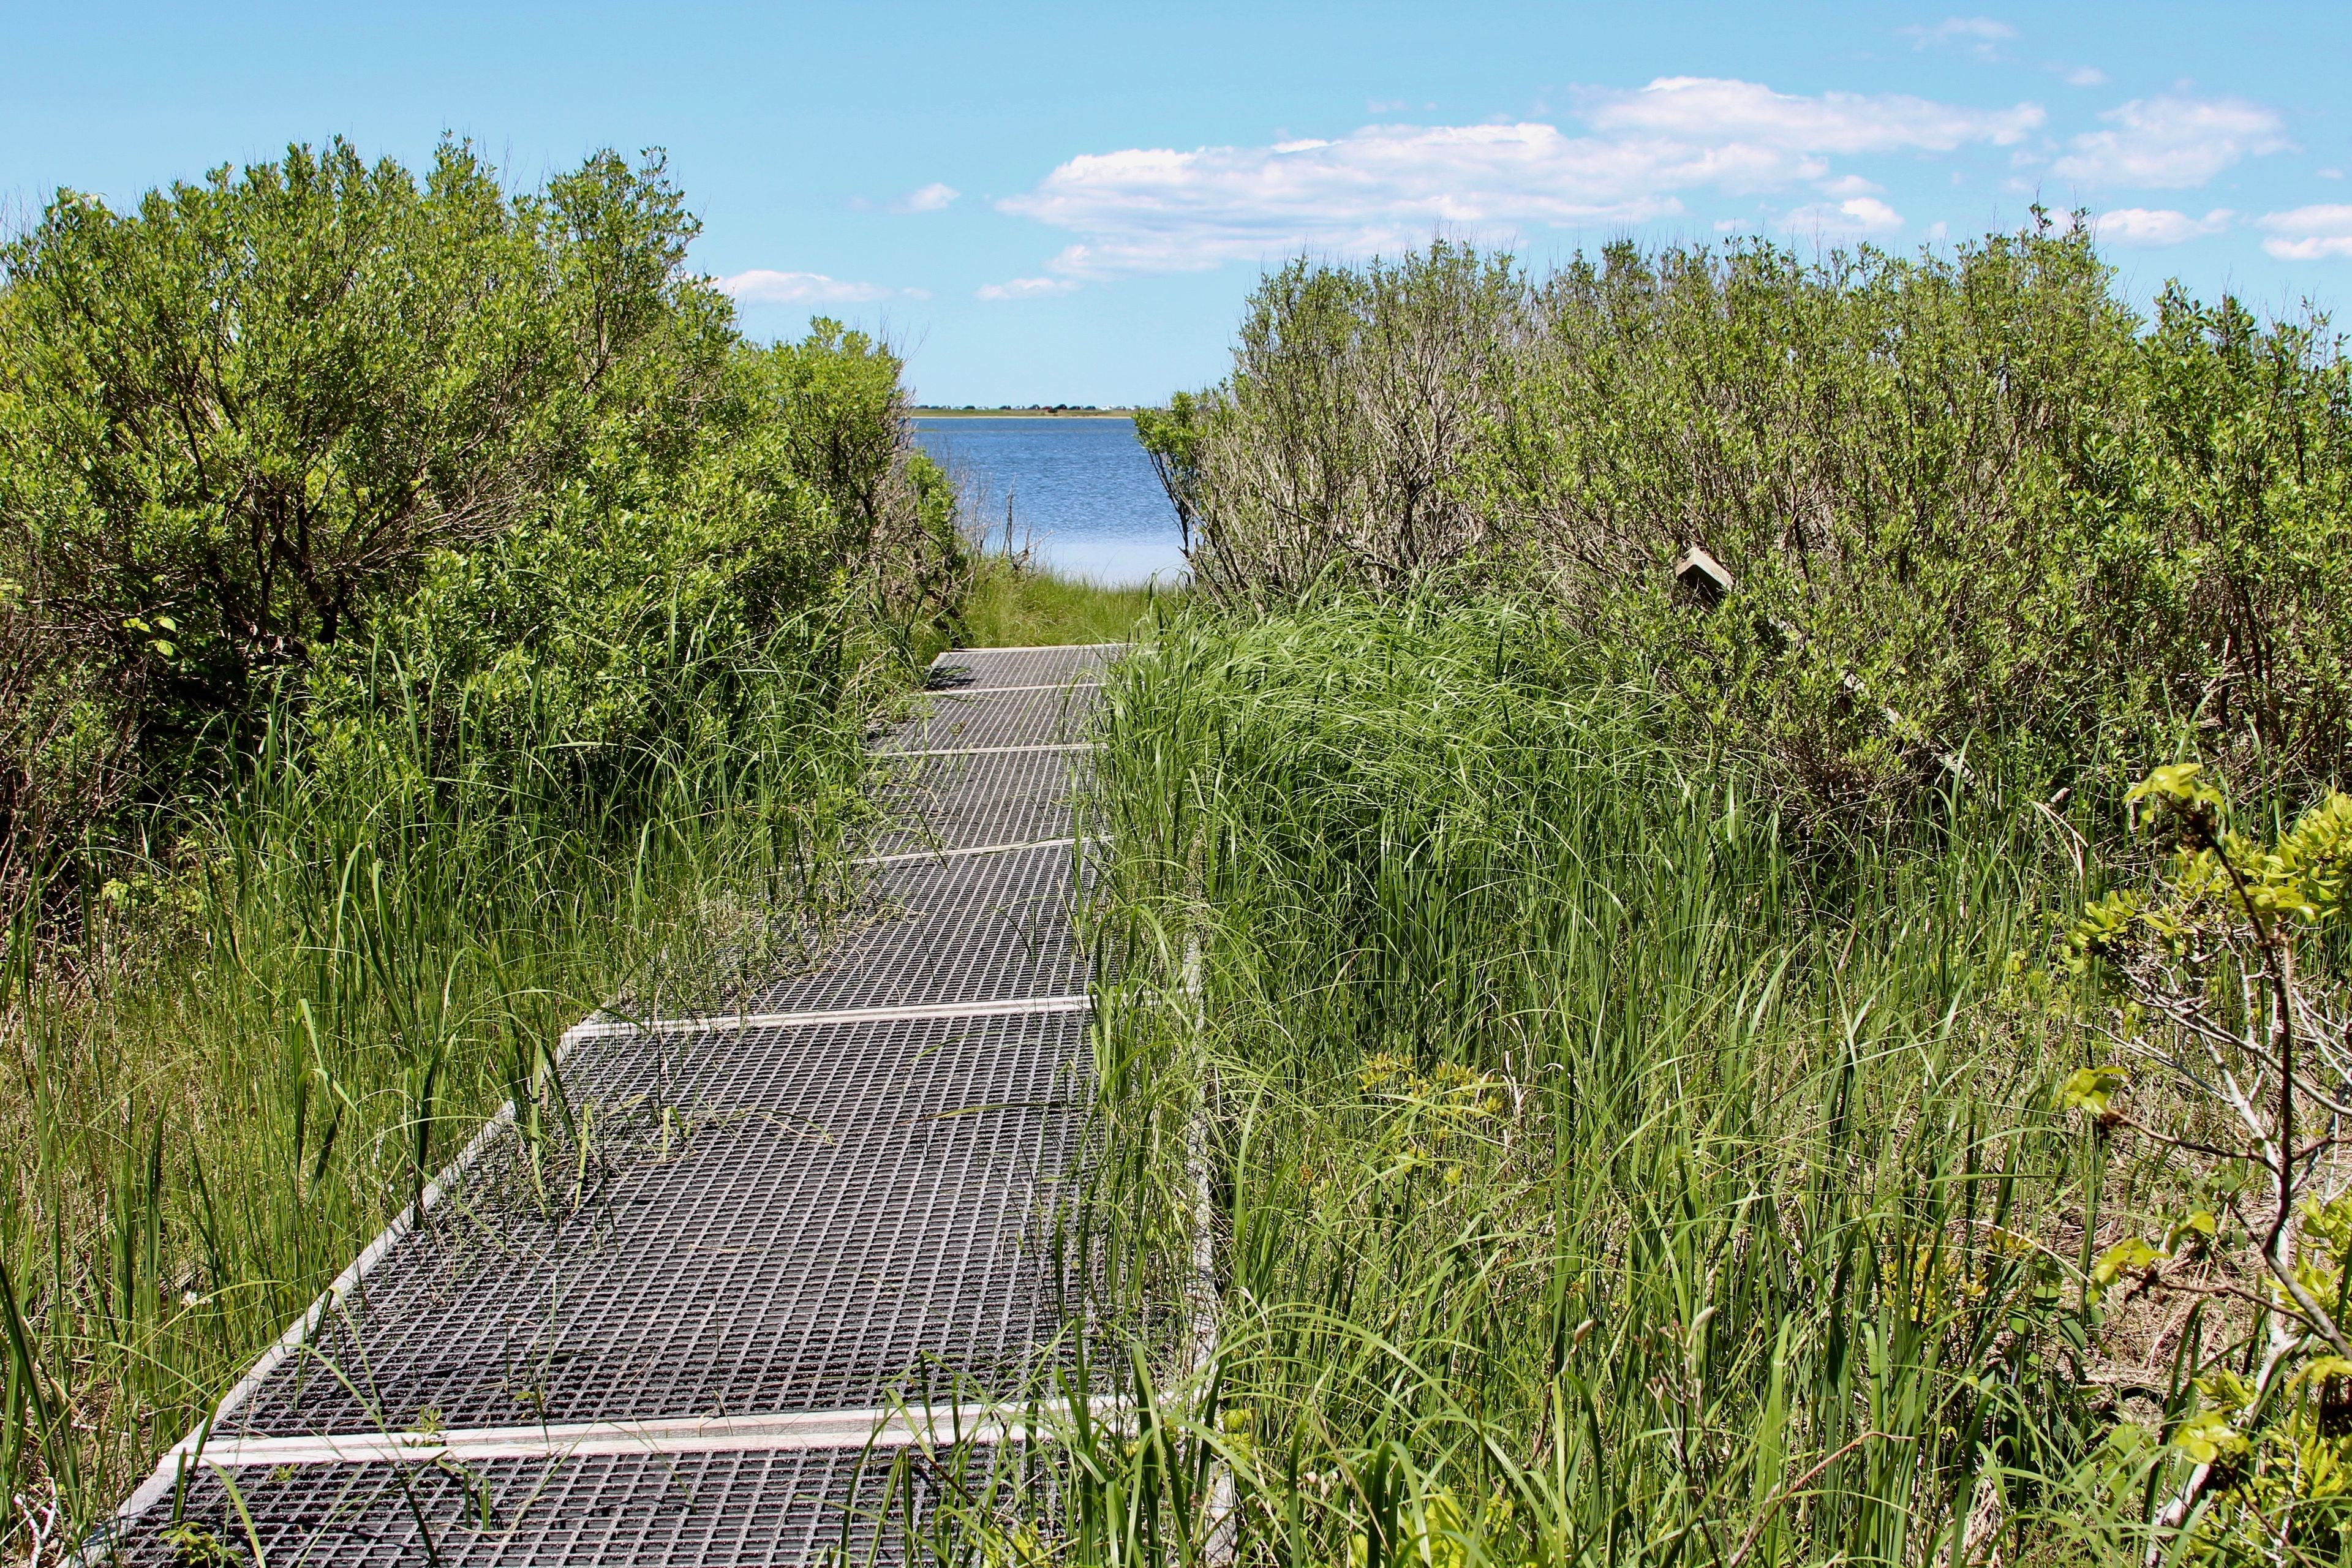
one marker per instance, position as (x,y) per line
(762,287)
(1025,287)
(1862,215)
(1981,35)
(1387,187)
(2149,228)
(933,197)
(2171,143)
(2320,232)
(2087,76)
(1707,109)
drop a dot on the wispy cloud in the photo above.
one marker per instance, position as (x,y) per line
(1708,111)
(2087,76)
(931,198)
(2171,143)
(2152,229)
(2320,232)
(1383,187)
(1861,218)
(763,287)
(1025,287)
(1980,36)
(1850,185)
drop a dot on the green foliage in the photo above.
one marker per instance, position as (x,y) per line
(1171,438)
(1592,1177)
(2090,1088)
(1337,445)
(2220,886)
(1018,603)
(423,621)
(2230,988)
(1968,506)
(2214,508)
(322,425)
(649,605)
(249,403)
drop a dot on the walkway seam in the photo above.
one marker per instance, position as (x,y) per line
(967,853)
(995,750)
(717,1023)
(1025,648)
(879,1428)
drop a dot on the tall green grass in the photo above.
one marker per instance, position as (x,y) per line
(263,1046)
(1597,1170)
(1018,603)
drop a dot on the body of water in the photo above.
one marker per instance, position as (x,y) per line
(1083,494)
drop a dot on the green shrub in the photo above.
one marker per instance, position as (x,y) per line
(1967,502)
(646,607)
(423,621)
(263,435)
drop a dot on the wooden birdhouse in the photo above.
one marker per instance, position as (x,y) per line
(1701,577)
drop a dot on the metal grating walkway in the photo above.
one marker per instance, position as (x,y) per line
(712,1505)
(677,1335)
(971,801)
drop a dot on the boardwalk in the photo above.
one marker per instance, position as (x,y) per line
(684,1335)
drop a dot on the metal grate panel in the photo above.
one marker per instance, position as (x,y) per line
(982,929)
(961,803)
(759,1507)
(981,718)
(799,1218)
(756,1222)
(987,667)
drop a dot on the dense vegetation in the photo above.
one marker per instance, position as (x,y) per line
(1596,1071)
(423,619)
(318,422)
(1969,502)
(1015,601)
(1673,1079)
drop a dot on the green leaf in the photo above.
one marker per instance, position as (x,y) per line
(2206,1436)
(2177,781)
(2196,1222)
(2088,1089)
(2125,1257)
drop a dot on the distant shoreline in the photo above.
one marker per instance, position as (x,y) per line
(1024,413)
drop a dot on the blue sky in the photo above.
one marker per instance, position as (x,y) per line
(1051,203)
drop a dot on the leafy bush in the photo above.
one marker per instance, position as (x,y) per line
(644,606)
(2230,1008)
(1966,500)
(423,621)
(266,433)
(1338,444)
